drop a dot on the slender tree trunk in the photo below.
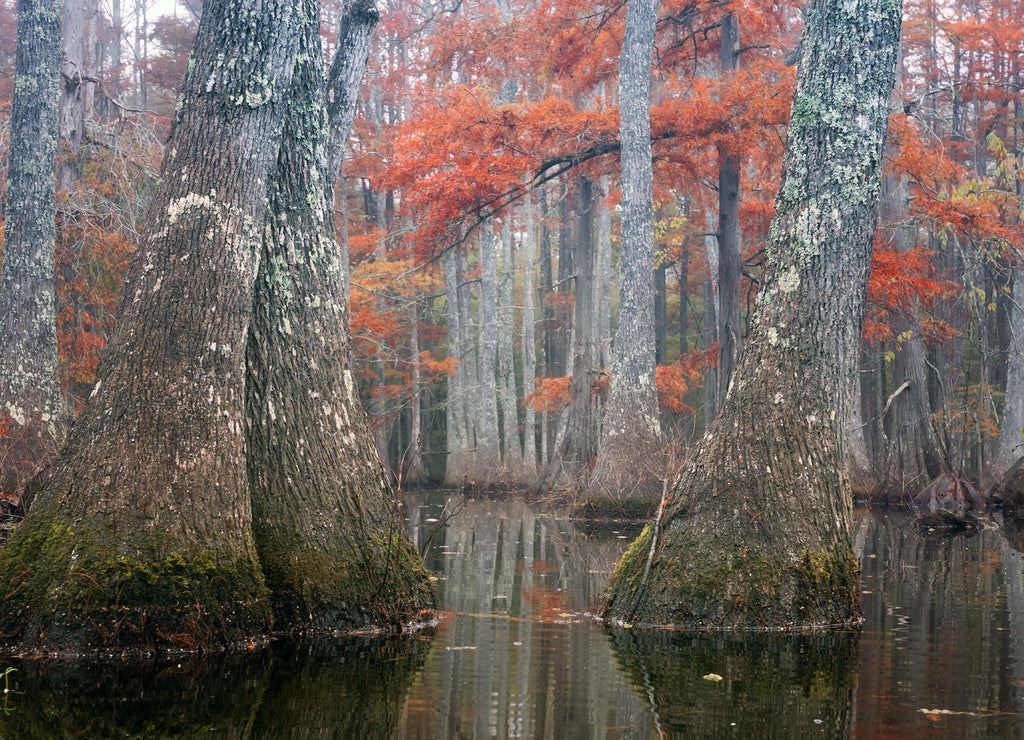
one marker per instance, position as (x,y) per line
(1011,434)
(579,443)
(757,532)
(470,380)
(562,334)
(547,324)
(529,351)
(660,315)
(512,450)
(488,450)
(912,452)
(457,463)
(32,410)
(75,65)
(632,426)
(414,454)
(327,531)
(711,303)
(603,280)
(684,298)
(355,36)
(863,478)
(730,331)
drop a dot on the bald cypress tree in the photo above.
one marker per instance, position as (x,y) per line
(143,537)
(32,410)
(756,533)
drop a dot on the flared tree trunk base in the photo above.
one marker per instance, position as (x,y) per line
(82,595)
(755,535)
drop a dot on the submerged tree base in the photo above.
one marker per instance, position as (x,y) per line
(82,599)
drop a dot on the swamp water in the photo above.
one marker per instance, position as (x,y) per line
(516,654)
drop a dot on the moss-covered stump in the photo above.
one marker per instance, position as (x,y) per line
(69,590)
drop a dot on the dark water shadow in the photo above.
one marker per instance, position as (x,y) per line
(798,685)
(350,687)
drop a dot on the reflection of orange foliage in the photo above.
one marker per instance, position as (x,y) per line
(546,605)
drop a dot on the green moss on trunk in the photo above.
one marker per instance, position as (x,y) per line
(80,594)
(718,585)
(315,591)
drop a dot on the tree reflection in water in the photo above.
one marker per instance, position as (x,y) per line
(742,685)
(325,689)
(517,654)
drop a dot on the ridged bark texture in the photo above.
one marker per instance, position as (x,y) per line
(631,422)
(326,527)
(756,534)
(31,405)
(142,536)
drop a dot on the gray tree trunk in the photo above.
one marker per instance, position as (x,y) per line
(578,444)
(1011,433)
(488,449)
(632,425)
(603,277)
(912,454)
(457,465)
(512,450)
(76,93)
(757,532)
(863,476)
(730,331)
(355,37)
(31,405)
(710,324)
(414,452)
(529,350)
(327,530)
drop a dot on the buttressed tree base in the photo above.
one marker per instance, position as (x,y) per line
(224,393)
(756,533)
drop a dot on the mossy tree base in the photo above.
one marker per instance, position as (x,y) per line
(755,535)
(68,590)
(718,586)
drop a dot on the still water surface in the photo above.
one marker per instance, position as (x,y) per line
(517,654)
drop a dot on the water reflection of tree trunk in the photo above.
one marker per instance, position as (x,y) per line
(791,685)
(519,657)
(326,689)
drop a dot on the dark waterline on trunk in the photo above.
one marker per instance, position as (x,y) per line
(517,654)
